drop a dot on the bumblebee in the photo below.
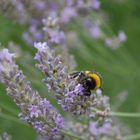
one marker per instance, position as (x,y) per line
(89,79)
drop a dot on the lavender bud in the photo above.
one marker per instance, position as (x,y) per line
(122,36)
(115,42)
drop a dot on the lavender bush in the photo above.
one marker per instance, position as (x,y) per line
(40,113)
(56,29)
(29,101)
(49,19)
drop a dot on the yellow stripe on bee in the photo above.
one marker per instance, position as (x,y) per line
(95,76)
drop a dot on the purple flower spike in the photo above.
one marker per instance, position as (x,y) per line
(38,112)
(67,14)
(70,93)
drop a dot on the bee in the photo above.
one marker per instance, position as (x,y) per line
(90,80)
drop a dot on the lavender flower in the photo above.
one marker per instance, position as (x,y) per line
(95,4)
(5,136)
(115,42)
(94,29)
(27,11)
(35,110)
(67,14)
(105,131)
(38,111)
(40,114)
(32,13)
(122,36)
(41,6)
(100,108)
(34,33)
(56,37)
(15,10)
(109,42)
(52,30)
(68,91)
(95,32)
(95,130)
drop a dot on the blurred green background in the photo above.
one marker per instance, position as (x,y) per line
(119,68)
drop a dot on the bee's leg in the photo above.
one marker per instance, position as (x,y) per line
(87,92)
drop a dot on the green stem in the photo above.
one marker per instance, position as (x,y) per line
(119,114)
(11,118)
(9,109)
(132,137)
(69,134)
(125,114)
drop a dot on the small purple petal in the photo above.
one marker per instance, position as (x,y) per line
(40,5)
(122,36)
(79,89)
(67,14)
(95,32)
(99,92)
(109,42)
(96,4)
(93,128)
(34,111)
(40,46)
(5,55)
(59,121)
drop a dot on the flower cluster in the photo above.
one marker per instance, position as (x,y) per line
(56,37)
(39,112)
(115,42)
(71,97)
(48,20)
(54,16)
(106,131)
(52,30)
(95,130)
(100,109)
(35,110)
(94,28)
(32,13)
(68,92)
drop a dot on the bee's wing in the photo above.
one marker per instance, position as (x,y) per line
(75,74)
